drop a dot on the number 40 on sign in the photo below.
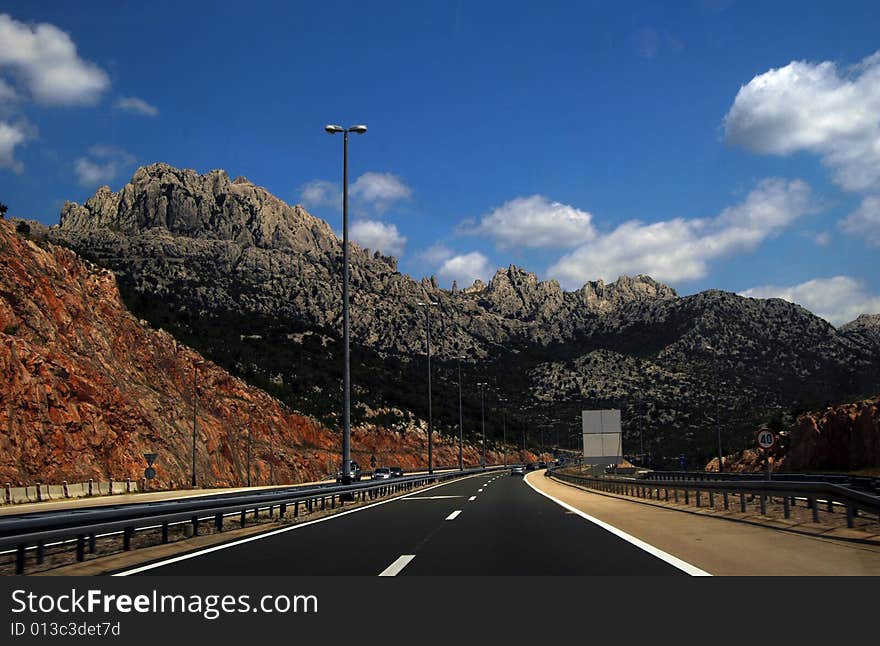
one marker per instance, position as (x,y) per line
(765,439)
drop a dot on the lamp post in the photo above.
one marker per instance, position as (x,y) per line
(717,414)
(196,364)
(460,425)
(346,374)
(428,305)
(481,385)
(249,433)
(503,401)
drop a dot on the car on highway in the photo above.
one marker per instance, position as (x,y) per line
(517,470)
(396,472)
(381,473)
(354,472)
(542,464)
(531,466)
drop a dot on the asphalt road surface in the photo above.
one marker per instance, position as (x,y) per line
(491,524)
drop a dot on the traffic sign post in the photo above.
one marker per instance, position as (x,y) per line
(150,472)
(766,440)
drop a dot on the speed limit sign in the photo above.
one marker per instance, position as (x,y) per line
(765,439)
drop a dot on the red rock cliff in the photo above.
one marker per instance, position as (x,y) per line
(87,389)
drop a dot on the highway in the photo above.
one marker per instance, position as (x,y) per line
(489,524)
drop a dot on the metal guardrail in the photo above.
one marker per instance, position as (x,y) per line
(24,531)
(790,492)
(861,483)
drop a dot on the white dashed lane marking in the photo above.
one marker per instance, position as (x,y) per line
(453,515)
(398,565)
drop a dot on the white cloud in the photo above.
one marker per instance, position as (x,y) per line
(45,61)
(535,221)
(380,190)
(375,190)
(814,107)
(137,105)
(838,300)
(680,249)
(10,137)
(319,192)
(465,268)
(7,92)
(102,165)
(379,236)
(865,221)
(822,239)
(436,254)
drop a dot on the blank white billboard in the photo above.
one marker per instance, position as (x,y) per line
(602,437)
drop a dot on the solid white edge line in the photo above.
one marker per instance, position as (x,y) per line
(395,568)
(674,561)
(453,515)
(241,541)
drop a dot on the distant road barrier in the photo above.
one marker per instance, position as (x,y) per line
(813,493)
(41,491)
(861,483)
(34,530)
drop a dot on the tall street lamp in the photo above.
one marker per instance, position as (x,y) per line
(249,434)
(427,307)
(503,402)
(346,375)
(482,385)
(717,413)
(196,364)
(460,424)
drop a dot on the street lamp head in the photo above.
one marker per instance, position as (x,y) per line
(332,129)
(360,129)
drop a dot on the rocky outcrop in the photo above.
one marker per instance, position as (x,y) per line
(88,389)
(864,330)
(845,437)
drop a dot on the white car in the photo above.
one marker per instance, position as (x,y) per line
(382,473)
(517,470)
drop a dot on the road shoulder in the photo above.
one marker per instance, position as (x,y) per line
(719,545)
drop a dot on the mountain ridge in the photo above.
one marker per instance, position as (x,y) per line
(253,282)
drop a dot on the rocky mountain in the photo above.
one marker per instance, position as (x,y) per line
(865,330)
(88,388)
(255,284)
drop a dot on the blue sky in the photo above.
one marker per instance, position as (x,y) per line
(709,143)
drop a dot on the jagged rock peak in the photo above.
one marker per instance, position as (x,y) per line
(598,294)
(863,321)
(195,205)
